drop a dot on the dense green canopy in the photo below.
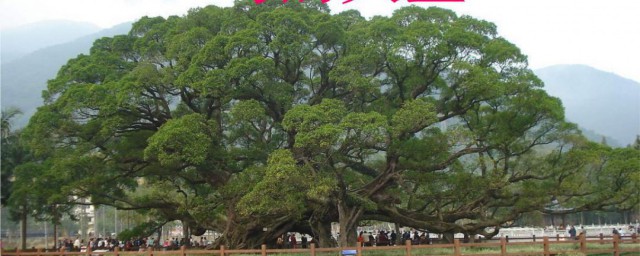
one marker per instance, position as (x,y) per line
(285,117)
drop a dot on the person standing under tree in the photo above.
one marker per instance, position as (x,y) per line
(77,244)
(366,240)
(572,232)
(394,237)
(293,241)
(583,231)
(280,242)
(303,241)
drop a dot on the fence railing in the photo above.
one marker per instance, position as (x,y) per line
(583,246)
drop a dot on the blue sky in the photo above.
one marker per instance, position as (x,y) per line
(602,34)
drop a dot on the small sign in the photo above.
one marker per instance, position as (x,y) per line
(349,252)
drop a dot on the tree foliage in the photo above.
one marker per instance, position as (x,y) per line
(284,117)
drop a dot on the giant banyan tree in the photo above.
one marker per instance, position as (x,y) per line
(255,120)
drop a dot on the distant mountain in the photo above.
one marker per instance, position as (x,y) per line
(598,101)
(24,79)
(17,42)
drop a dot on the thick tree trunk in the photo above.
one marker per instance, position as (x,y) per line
(185,232)
(448,237)
(249,233)
(345,231)
(348,220)
(235,235)
(322,233)
(243,238)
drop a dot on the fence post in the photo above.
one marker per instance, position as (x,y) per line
(221,250)
(89,249)
(534,238)
(183,248)
(359,249)
(39,251)
(263,249)
(601,238)
(545,245)
(456,247)
(407,245)
(313,249)
(61,251)
(150,250)
(616,247)
(557,237)
(634,237)
(583,243)
(503,245)
(116,251)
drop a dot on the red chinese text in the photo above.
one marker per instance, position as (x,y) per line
(348,1)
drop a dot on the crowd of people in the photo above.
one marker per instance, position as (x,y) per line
(95,243)
(379,238)
(290,241)
(129,245)
(384,238)
(620,231)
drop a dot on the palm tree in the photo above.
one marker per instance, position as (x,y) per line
(9,150)
(12,155)
(7,116)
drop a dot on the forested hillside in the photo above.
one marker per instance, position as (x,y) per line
(24,79)
(20,41)
(599,101)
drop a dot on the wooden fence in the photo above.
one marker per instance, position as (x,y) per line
(583,246)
